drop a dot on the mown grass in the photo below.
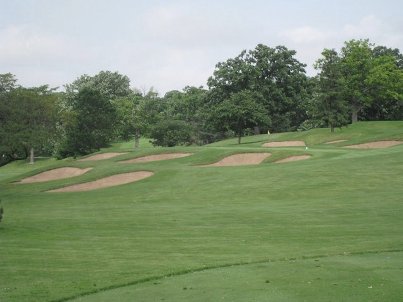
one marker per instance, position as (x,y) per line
(187,218)
(368,277)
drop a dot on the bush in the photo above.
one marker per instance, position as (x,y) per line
(169,133)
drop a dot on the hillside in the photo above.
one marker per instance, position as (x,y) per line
(327,228)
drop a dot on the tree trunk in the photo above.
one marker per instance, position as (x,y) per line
(240,132)
(31,156)
(256,130)
(137,139)
(354,115)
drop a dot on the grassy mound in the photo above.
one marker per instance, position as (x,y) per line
(260,223)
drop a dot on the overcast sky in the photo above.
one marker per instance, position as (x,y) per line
(175,43)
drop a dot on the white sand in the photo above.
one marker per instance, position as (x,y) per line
(110,181)
(375,145)
(102,156)
(156,157)
(285,144)
(241,160)
(55,174)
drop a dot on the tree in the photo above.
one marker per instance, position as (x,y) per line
(385,81)
(283,83)
(136,114)
(189,106)
(28,121)
(372,80)
(380,51)
(7,82)
(90,102)
(330,106)
(169,133)
(240,111)
(356,63)
(90,125)
(272,72)
(385,78)
(110,85)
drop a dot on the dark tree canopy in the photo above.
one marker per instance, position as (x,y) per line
(272,72)
(27,121)
(242,110)
(91,125)
(110,85)
(259,89)
(330,106)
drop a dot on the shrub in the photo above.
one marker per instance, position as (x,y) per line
(169,133)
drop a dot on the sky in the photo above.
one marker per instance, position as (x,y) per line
(171,44)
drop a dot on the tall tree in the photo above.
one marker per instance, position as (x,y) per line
(272,72)
(242,110)
(27,121)
(372,82)
(282,81)
(136,114)
(110,85)
(385,78)
(385,81)
(7,82)
(90,127)
(356,63)
(189,106)
(330,106)
(380,51)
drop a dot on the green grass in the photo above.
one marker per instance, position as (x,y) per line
(367,277)
(221,233)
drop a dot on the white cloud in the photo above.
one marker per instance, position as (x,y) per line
(37,57)
(305,34)
(376,30)
(367,26)
(23,43)
(179,26)
(310,41)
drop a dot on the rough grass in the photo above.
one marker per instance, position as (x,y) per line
(270,221)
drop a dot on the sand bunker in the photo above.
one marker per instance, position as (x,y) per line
(376,145)
(55,174)
(110,181)
(241,160)
(156,157)
(285,144)
(335,142)
(102,156)
(293,158)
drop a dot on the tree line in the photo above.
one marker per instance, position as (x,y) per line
(259,90)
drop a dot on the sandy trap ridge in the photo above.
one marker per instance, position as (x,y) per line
(240,160)
(335,142)
(285,144)
(376,145)
(102,156)
(55,174)
(293,158)
(156,157)
(110,181)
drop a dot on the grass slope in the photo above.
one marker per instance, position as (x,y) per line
(272,221)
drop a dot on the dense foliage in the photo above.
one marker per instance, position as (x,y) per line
(261,89)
